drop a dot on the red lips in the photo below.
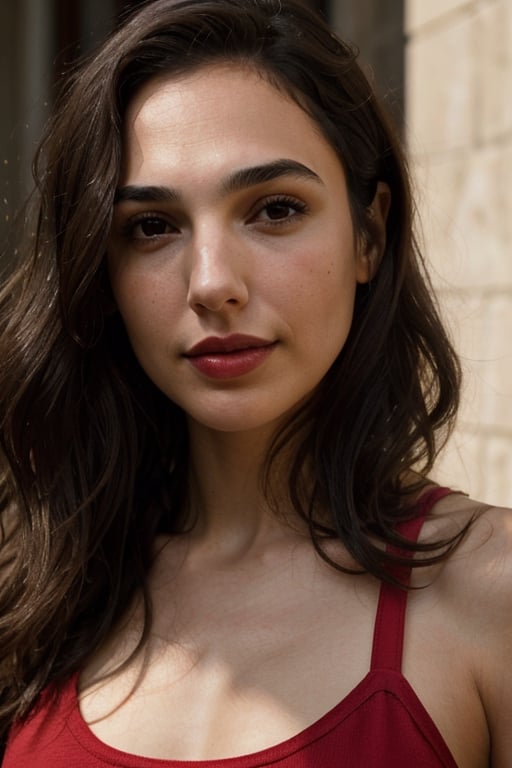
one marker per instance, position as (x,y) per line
(228,357)
(222,344)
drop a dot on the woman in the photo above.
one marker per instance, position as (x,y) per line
(225,385)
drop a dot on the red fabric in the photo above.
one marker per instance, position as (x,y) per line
(380,724)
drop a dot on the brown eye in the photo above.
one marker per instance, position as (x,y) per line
(151,227)
(276,211)
(280,210)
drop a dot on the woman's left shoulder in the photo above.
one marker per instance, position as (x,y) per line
(475,587)
(487,543)
(481,565)
(474,582)
(469,605)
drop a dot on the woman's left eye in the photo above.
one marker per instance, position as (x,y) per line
(279,210)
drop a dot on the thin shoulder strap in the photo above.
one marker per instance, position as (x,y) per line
(388,635)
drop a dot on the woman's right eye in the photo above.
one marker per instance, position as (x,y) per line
(149,228)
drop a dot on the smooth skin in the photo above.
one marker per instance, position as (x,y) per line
(250,626)
(276,260)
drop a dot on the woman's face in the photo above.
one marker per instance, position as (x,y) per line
(232,255)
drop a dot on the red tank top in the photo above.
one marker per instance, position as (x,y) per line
(380,724)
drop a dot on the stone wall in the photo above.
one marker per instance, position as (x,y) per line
(459,124)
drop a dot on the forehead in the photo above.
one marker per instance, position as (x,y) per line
(219,111)
(201,87)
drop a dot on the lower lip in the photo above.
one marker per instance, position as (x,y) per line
(230,365)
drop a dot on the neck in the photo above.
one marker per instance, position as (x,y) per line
(226,494)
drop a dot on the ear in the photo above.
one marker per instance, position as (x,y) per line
(372,242)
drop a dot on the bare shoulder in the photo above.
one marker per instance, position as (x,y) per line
(477,575)
(475,588)
(482,563)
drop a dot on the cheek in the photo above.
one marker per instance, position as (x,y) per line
(329,303)
(327,286)
(137,309)
(146,304)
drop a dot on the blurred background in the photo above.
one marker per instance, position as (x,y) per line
(445,69)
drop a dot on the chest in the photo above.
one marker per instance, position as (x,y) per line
(233,667)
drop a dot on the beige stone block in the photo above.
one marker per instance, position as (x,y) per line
(465,205)
(441,87)
(437,186)
(421,12)
(462,314)
(494,367)
(460,465)
(479,455)
(481,327)
(505,186)
(478,464)
(498,482)
(494,52)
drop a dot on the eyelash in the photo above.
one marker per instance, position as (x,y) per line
(128,229)
(284,201)
(298,207)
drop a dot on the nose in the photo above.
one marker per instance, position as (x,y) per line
(216,282)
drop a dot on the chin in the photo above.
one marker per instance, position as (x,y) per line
(240,420)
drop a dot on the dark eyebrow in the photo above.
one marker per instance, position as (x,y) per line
(241,179)
(259,174)
(136,194)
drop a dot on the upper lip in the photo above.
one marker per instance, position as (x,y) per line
(220,344)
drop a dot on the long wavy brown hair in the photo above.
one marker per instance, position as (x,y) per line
(93,457)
